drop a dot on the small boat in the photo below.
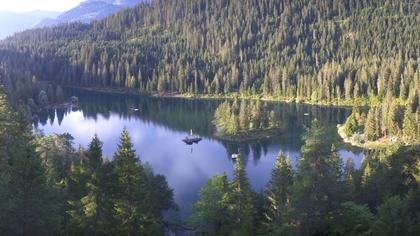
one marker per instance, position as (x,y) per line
(235,156)
(190,139)
(306,114)
(134,109)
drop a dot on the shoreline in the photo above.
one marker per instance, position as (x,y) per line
(383,142)
(122,91)
(264,134)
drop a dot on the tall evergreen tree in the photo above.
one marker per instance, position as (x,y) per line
(241,201)
(410,127)
(370,126)
(97,218)
(7,128)
(131,182)
(349,179)
(317,181)
(279,193)
(29,204)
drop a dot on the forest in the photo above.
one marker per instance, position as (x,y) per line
(333,52)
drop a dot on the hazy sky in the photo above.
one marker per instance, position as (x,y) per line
(30,5)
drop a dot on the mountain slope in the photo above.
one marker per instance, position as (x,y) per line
(11,22)
(317,51)
(90,10)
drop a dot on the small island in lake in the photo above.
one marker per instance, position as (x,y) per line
(245,120)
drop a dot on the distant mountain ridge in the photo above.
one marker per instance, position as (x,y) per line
(90,10)
(11,22)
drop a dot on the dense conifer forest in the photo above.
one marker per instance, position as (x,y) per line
(347,52)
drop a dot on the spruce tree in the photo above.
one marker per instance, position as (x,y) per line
(94,154)
(241,201)
(349,179)
(243,116)
(278,193)
(29,205)
(317,181)
(131,185)
(370,125)
(97,203)
(8,129)
(410,127)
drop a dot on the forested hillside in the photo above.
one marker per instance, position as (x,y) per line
(345,52)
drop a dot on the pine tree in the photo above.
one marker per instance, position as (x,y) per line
(29,205)
(394,119)
(131,185)
(243,116)
(317,181)
(349,173)
(410,127)
(94,154)
(76,190)
(266,86)
(241,201)
(7,128)
(97,203)
(370,125)
(393,218)
(279,193)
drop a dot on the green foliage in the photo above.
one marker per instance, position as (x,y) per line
(352,219)
(354,123)
(317,187)
(29,203)
(278,194)
(372,123)
(393,218)
(411,127)
(244,118)
(8,131)
(210,212)
(94,212)
(323,51)
(226,207)
(241,201)
(349,174)
(131,187)
(31,206)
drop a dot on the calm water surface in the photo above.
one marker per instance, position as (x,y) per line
(158,128)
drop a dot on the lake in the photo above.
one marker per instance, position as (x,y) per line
(159,126)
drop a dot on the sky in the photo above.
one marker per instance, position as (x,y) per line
(31,5)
